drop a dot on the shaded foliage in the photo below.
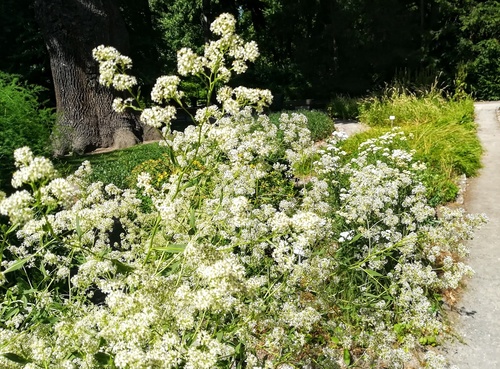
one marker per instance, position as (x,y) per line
(464,41)
(309,48)
(22,123)
(21,42)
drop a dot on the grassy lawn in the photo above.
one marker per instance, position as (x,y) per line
(116,166)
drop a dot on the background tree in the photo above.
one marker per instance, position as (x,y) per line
(71,29)
(321,47)
(468,40)
(144,39)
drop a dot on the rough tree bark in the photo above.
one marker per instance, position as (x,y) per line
(71,29)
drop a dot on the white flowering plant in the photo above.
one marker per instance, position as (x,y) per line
(239,262)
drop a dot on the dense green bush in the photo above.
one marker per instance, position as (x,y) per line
(343,107)
(23,122)
(318,122)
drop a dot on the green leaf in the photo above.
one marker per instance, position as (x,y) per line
(50,320)
(78,229)
(102,358)
(171,156)
(347,357)
(12,228)
(355,238)
(17,265)
(11,313)
(399,328)
(335,340)
(428,340)
(192,218)
(30,291)
(238,348)
(373,273)
(43,270)
(16,358)
(173,248)
(73,355)
(171,269)
(121,267)
(431,340)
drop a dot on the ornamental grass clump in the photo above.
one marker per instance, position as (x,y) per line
(237,263)
(443,135)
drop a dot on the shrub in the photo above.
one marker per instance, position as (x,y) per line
(23,122)
(319,123)
(343,107)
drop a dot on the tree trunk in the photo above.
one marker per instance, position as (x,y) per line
(71,29)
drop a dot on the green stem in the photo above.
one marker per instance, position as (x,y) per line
(153,234)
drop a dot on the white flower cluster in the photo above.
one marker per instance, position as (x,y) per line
(166,88)
(112,67)
(158,116)
(237,262)
(60,190)
(205,115)
(211,66)
(17,206)
(233,100)
(387,218)
(223,262)
(224,25)
(30,169)
(188,62)
(213,59)
(120,105)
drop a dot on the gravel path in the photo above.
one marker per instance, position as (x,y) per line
(349,126)
(477,314)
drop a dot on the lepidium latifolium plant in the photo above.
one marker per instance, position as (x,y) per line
(237,263)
